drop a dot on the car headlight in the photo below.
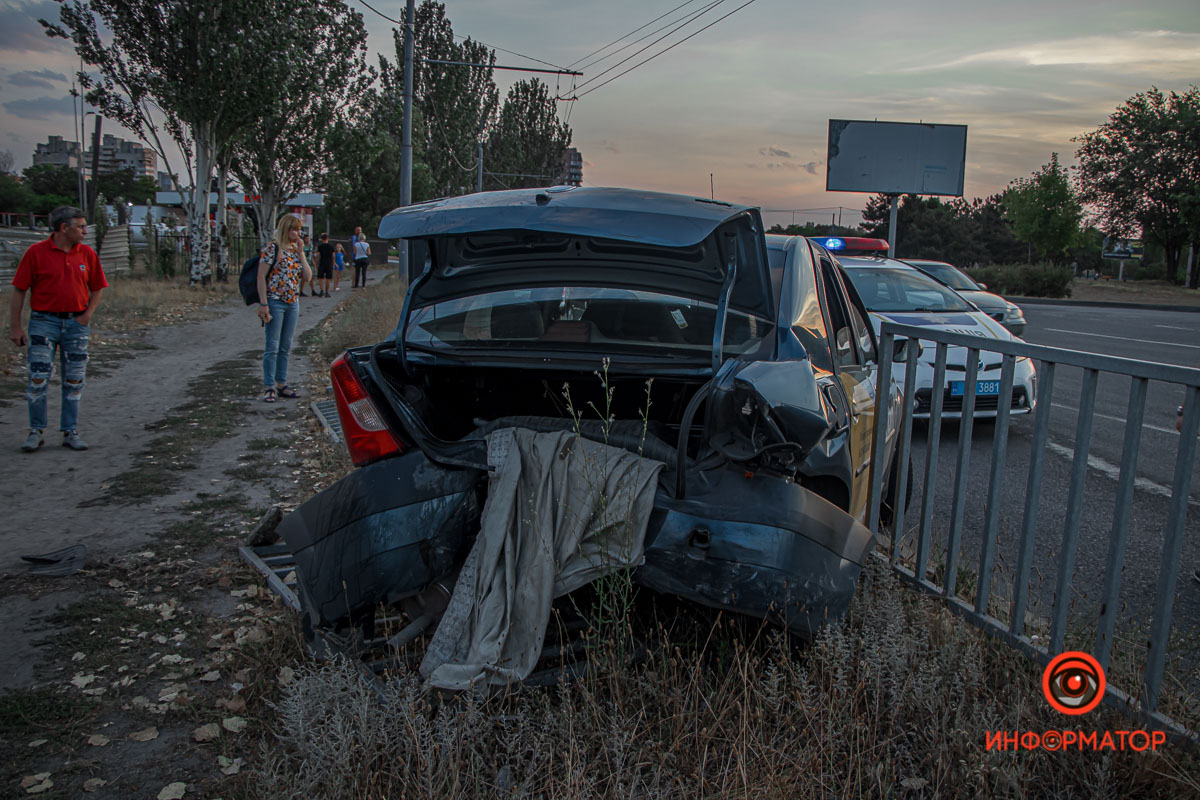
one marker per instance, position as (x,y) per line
(1012,312)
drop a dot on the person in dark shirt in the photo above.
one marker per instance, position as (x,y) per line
(324,267)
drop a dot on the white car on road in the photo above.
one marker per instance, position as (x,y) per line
(893,291)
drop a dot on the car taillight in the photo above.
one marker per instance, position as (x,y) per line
(367,434)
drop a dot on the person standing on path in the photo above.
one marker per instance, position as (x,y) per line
(362,252)
(339,263)
(308,258)
(282,270)
(66,279)
(324,266)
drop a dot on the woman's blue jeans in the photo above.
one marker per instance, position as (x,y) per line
(279,341)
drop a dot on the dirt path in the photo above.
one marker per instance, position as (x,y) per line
(60,496)
(49,485)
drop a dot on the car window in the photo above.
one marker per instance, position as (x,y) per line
(950,276)
(613,319)
(884,289)
(845,351)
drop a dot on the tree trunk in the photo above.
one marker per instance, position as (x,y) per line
(201,269)
(1172,252)
(267,208)
(1193,268)
(222,224)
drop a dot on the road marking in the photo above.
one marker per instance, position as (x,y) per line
(1126,338)
(1174,327)
(1171,431)
(1114,472)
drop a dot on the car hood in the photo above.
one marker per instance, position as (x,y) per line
(618,238)
(985,300)
(971,323)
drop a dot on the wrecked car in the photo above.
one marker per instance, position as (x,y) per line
(751,378)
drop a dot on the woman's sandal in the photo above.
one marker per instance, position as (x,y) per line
(287,392)
(268,395)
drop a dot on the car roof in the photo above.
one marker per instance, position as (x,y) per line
(635,215)
(876,261)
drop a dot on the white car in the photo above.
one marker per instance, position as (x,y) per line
(893,291)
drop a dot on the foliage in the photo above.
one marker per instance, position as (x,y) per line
(457,103)
(1044,211)
(814,229)
(525,148)
(364,182)
(6,162)
(191,71)
(1140,170)
(14,196)
(959,232)
(321,60)
(123,185)
(1025,280)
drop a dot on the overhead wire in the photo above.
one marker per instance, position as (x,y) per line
(681,22)
(673,46)
(678,26)
(631,33)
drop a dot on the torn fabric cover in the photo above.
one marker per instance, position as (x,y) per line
(561,511)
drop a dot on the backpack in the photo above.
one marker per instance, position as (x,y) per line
(248,280)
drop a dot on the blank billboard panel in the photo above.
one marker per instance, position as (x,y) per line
(895,157)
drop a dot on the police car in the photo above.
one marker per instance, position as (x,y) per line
(894,291)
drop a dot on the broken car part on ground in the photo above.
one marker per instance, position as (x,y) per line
(654,324)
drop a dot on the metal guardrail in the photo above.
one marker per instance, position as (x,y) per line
(1140,702)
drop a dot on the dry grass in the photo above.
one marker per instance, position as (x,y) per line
(368,316)
(1158,292)
(132,303)
(896,702)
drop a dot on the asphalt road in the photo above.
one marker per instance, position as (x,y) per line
(1164,336)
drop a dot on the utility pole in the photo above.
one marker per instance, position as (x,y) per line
(406,139)
(95,172)
(892,232)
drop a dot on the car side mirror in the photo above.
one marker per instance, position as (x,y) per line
(900,349)
(981,285)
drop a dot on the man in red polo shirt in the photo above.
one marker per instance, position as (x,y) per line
(64,279)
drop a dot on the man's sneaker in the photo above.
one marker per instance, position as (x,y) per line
(71,439)
(34,441)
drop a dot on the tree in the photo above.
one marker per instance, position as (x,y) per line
(457,103)
(288,144)
(192,71)
(527,144)
(55,179)
(364,181)
(1138,170)
(6,162)
(960,232)
(1045,211)
(14,197)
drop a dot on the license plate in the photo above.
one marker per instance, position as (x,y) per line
(981,387)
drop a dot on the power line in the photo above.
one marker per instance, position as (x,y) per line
(631,33)
(678,25)
(691,16)
(513,53)
(380,13)
(676,44)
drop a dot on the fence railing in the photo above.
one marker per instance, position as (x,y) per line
(1140,701)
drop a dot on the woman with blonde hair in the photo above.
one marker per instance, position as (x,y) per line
(282,270)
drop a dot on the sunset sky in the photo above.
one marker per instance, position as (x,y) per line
(748,100)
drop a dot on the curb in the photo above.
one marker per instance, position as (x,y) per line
(1065,301)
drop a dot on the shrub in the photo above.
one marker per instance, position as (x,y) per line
(1025,280)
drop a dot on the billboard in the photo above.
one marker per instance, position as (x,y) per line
(895,157)
(1122,248)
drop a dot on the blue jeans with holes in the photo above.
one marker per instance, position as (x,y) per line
(47,333)
(279,341)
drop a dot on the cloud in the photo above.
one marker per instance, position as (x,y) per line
(1138,50)
(771,151)
(41,79)
(608,147)
(810,167)
(39,108)
(19,27)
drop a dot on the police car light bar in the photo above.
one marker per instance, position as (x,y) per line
(857,244)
